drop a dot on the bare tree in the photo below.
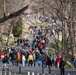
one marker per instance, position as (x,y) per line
(65,11)
(11,9)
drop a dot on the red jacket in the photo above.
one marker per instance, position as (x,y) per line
(40,46)
(0,55)
(58,58)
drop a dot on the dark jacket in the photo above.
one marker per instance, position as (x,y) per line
(48,62)
(62,64)
(5,59)
(13,56)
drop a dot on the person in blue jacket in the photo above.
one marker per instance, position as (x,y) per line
(39,59)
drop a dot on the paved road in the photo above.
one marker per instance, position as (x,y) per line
(30,37)
(37,69)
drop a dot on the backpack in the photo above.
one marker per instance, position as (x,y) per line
(49,62)
(14,56)
(5,59)
(63,64)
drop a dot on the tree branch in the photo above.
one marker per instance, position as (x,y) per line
(12,15)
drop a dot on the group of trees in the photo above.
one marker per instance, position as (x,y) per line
(65,10)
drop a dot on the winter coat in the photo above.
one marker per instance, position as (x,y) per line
(30,57)
(18,56)
(39,58)
(48,62)
(0,55)
(5,59)
(58,58)
(62,64)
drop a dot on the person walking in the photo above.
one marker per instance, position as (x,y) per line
(4,61)
(34,59)
(61,66)
(49,64)
(44,56)
(74,62)
(30,59)
(0,57)
(18,58)
(23,60)
(39,60)
(12,57)
(58,60)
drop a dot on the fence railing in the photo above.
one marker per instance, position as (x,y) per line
(28,73)
(7,72)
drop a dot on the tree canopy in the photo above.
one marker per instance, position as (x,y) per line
(17,28)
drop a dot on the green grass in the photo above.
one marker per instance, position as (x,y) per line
(4,37)
(39,24)
(11,40)
(53,47)
(53,50)
(24,34)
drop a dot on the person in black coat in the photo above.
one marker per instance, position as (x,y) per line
(61,66)
(49,63)
(4,61)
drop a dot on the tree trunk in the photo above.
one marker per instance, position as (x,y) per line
(7,42)
(4,8)
(0,37)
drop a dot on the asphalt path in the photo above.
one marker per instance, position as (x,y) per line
(36,69)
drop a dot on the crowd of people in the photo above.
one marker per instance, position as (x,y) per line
(36,52)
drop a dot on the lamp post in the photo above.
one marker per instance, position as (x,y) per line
(19,69)
(42,67)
